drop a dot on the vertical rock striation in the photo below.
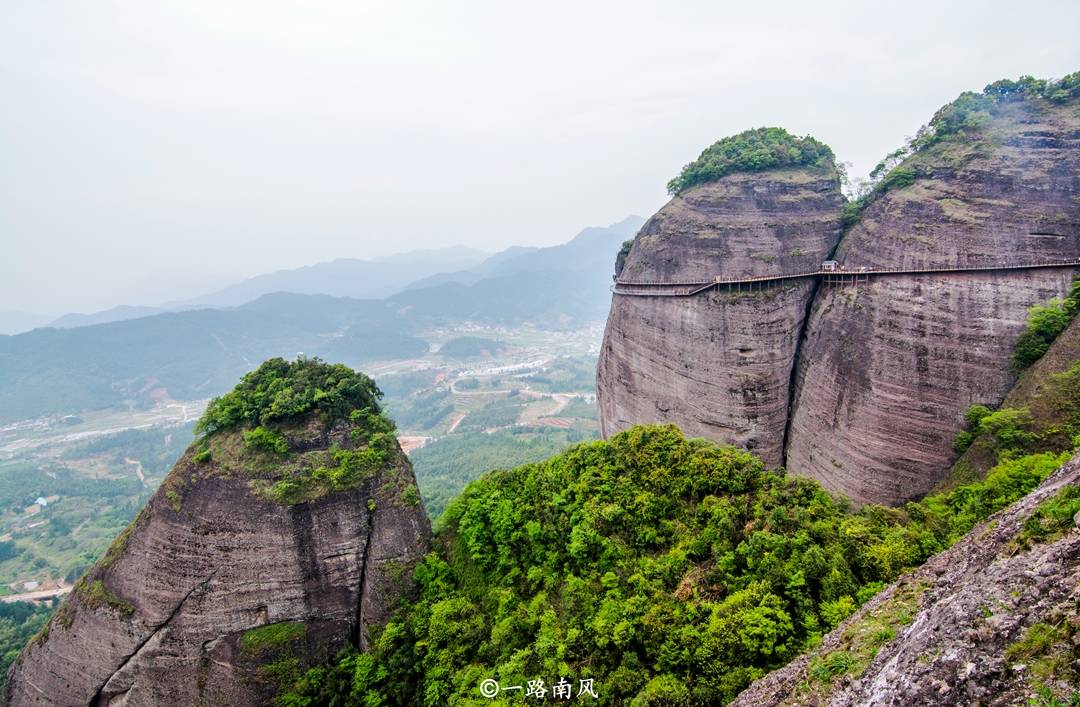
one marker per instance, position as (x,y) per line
(246,567)
(889,367)
(719,364)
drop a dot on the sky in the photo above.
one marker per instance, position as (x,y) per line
(154,151)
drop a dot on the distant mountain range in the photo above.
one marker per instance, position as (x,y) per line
(344,277)
(542,285)
(197,353)
(14,321)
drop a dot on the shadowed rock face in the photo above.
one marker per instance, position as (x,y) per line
(216,594)
(719,365)
(889,367)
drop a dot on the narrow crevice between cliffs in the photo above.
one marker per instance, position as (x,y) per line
(800,343)
(357,638)
(95,700)
(793,374)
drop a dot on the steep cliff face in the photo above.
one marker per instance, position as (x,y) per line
(994,620)
(888,367)
(1045,397)
(719,365)
(261,554)
(885,368)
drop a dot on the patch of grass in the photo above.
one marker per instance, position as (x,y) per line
(1047,651)
(266,440)
(339,468)
(284,671)
(825,669)
(860,641)
(277,645)
(1051,519)
(271,636)
(342,470)
(1045,697)
(202,452)
(96,595)
(116,550)
(65,615)
(173,487)
(411,495)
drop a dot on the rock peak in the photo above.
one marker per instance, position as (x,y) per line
(286,531)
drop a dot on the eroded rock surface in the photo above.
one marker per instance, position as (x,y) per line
(217,593)
(719,365)
(963,624)
(889,367)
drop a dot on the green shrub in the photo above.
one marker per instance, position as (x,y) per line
(899,178)
(963,440)
(1052,518)
(622,255)
(342,470)
(975,415)
(752,151)
(281,390)
(826,668)
(265,440)
(1009,428)
(1045,323)
(833,612)
(973,418)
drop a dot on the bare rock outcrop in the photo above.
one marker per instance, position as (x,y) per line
(989,621)
(257,558)
(719,365)
(888,367)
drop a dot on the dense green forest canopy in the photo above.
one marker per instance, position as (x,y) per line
(669,571)
(19,621)
(281,390)
(444,467)
(754,150)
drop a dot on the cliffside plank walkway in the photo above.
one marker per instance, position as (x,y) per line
(829,277)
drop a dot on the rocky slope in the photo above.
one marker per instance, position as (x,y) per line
(888,368)
(994,620)
(719,365)
(261,554)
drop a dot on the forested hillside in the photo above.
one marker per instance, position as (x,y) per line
(668,571)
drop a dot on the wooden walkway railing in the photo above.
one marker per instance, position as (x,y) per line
(839,276)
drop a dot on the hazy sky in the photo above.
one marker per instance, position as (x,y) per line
(154,150)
